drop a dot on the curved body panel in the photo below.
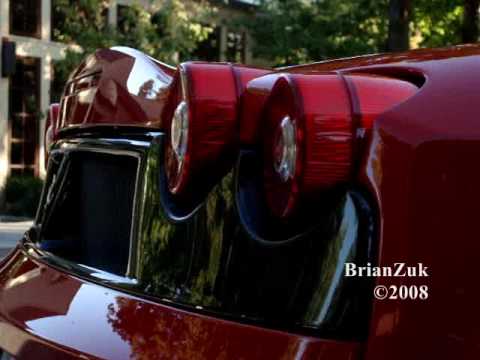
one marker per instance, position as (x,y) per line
(92,321)
(419,56)
(116,87)
(421,165)
(417,169)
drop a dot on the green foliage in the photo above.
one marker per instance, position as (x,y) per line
(284,31)
(437,23)
(296,31)
(22,194)
(169,31)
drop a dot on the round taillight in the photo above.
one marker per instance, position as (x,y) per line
(313,128)
(308,137)
(201,123)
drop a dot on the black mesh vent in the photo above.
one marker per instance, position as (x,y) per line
(90,216)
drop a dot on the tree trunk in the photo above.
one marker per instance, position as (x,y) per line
(398,25)
(470,21)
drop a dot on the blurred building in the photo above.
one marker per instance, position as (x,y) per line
(28,54)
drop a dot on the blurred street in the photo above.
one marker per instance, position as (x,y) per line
(10,233)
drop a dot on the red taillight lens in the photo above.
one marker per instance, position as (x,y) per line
(310,127)
(308,139)
(374,94)
(252,104)
(201,122)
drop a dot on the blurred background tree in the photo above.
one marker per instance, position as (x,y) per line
(437,23)
(170,33)
(399,15)
(295,31)
(284,32)
(470,21)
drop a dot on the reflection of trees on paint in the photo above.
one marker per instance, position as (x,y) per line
(182,261)
(146,90)
(208,261)
(157,333)
(332,261)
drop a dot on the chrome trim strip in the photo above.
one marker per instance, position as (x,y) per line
(73,268)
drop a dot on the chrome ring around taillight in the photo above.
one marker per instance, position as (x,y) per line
(179,131)
(285,149)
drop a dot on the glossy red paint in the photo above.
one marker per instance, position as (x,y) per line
(371,95)
(379,63)
(96,322)
(118,86)
(421,167)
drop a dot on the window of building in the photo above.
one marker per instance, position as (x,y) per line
(209,49)
(61,29)
(5,356)
(25,17)
(24,114)
(57,21)
(235,47)
(57,84)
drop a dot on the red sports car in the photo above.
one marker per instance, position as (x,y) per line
(216,211)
